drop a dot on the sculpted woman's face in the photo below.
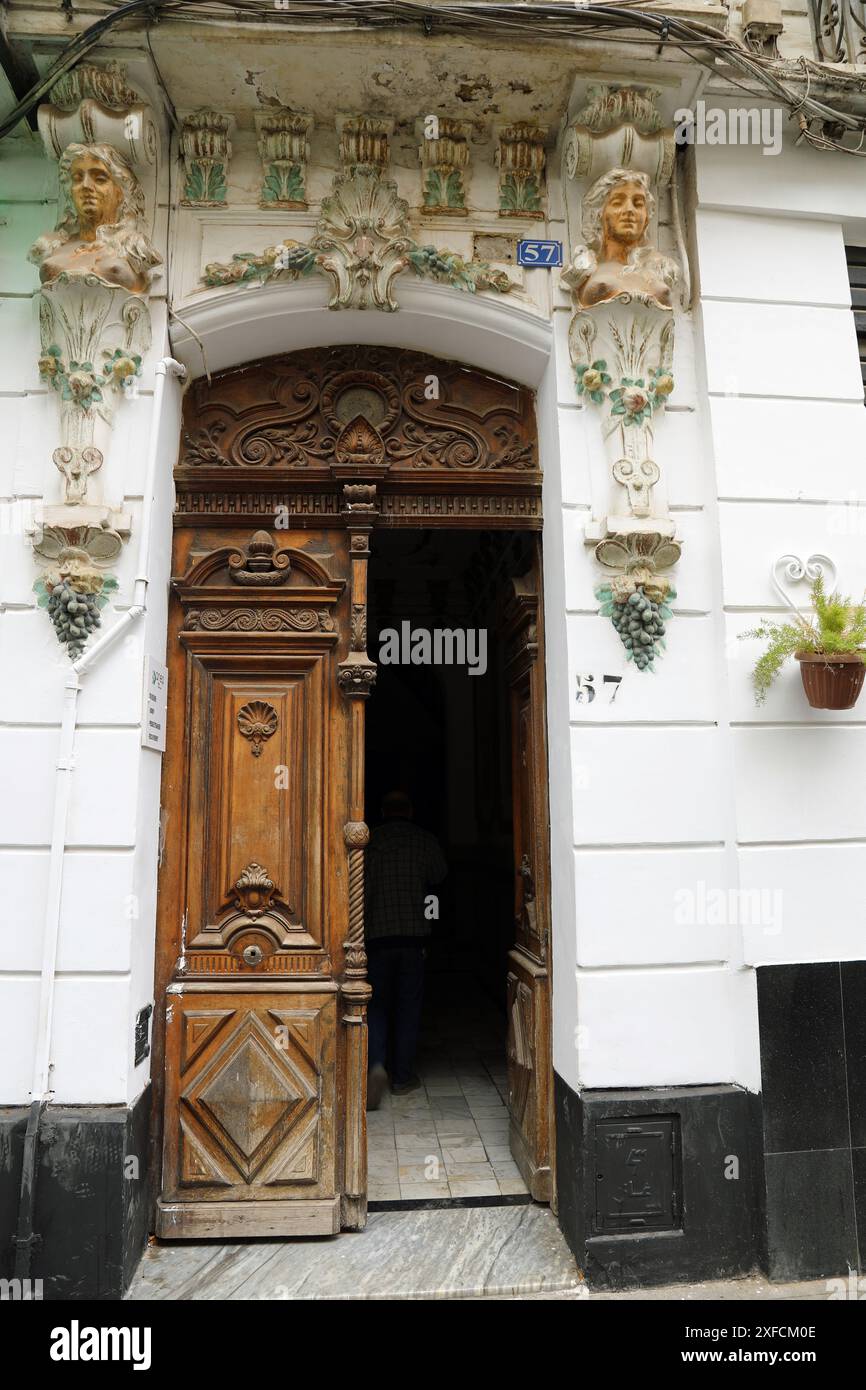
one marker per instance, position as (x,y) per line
(96,195)
(624,220)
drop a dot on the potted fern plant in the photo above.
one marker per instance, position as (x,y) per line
(829,645)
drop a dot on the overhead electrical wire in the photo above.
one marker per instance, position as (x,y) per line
(789,82)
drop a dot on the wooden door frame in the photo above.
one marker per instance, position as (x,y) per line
(525,665)
(359,489)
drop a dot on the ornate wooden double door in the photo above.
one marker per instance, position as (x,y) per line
(286,469)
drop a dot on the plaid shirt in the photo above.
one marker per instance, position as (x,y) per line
(402,861)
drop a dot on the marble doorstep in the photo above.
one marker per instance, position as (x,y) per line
(473,1252)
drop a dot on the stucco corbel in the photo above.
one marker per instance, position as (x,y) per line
(621,340)
(284,149)
(94,319)
(444,156)
(520,159)
(205,149)
(94,105)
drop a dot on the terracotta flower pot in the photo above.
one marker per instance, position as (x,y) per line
(831,682)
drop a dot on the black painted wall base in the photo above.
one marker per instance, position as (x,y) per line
(812,1020)
(91,1197)
(659,1186)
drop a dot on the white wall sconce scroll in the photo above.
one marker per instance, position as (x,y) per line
(796,571)
(94,105)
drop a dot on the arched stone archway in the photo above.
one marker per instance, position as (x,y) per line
(228,328)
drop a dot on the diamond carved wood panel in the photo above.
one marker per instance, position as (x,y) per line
(254,1112)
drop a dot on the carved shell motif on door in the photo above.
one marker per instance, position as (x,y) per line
(257,721)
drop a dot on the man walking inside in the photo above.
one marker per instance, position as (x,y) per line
(403,861)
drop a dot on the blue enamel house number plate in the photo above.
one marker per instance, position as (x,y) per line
(539,253)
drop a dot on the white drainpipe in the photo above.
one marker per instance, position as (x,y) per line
(65,759)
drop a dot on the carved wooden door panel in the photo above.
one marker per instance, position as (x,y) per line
(528,995)
(264,1090)
(285,468)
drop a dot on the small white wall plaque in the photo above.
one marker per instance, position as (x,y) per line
(155,703)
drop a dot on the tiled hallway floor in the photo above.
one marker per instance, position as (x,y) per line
(448,1139)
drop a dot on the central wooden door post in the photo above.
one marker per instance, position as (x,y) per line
(356,677)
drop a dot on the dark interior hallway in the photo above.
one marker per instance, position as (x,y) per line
(441,735)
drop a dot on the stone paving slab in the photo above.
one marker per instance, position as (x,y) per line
(464,1252)
(477,1253)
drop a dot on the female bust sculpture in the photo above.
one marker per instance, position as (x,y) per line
(100,231)
(617,211)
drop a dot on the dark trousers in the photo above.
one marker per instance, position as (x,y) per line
(396,973)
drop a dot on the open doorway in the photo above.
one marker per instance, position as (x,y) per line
(441,729)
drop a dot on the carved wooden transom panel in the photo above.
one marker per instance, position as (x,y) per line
(395,412)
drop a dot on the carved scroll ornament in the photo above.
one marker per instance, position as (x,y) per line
(361,410)
(262,564)
(254,891)
(281,591)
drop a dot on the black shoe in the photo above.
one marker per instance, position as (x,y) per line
(377,1080)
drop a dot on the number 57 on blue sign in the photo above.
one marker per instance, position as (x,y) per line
(539,253)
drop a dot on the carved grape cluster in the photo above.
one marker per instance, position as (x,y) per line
(74,615)
(640,622)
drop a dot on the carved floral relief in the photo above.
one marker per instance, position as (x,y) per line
(257,721)
(362,242)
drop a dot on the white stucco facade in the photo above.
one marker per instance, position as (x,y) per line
(680,783)
(680,791)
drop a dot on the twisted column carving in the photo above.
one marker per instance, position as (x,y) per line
(357,836)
